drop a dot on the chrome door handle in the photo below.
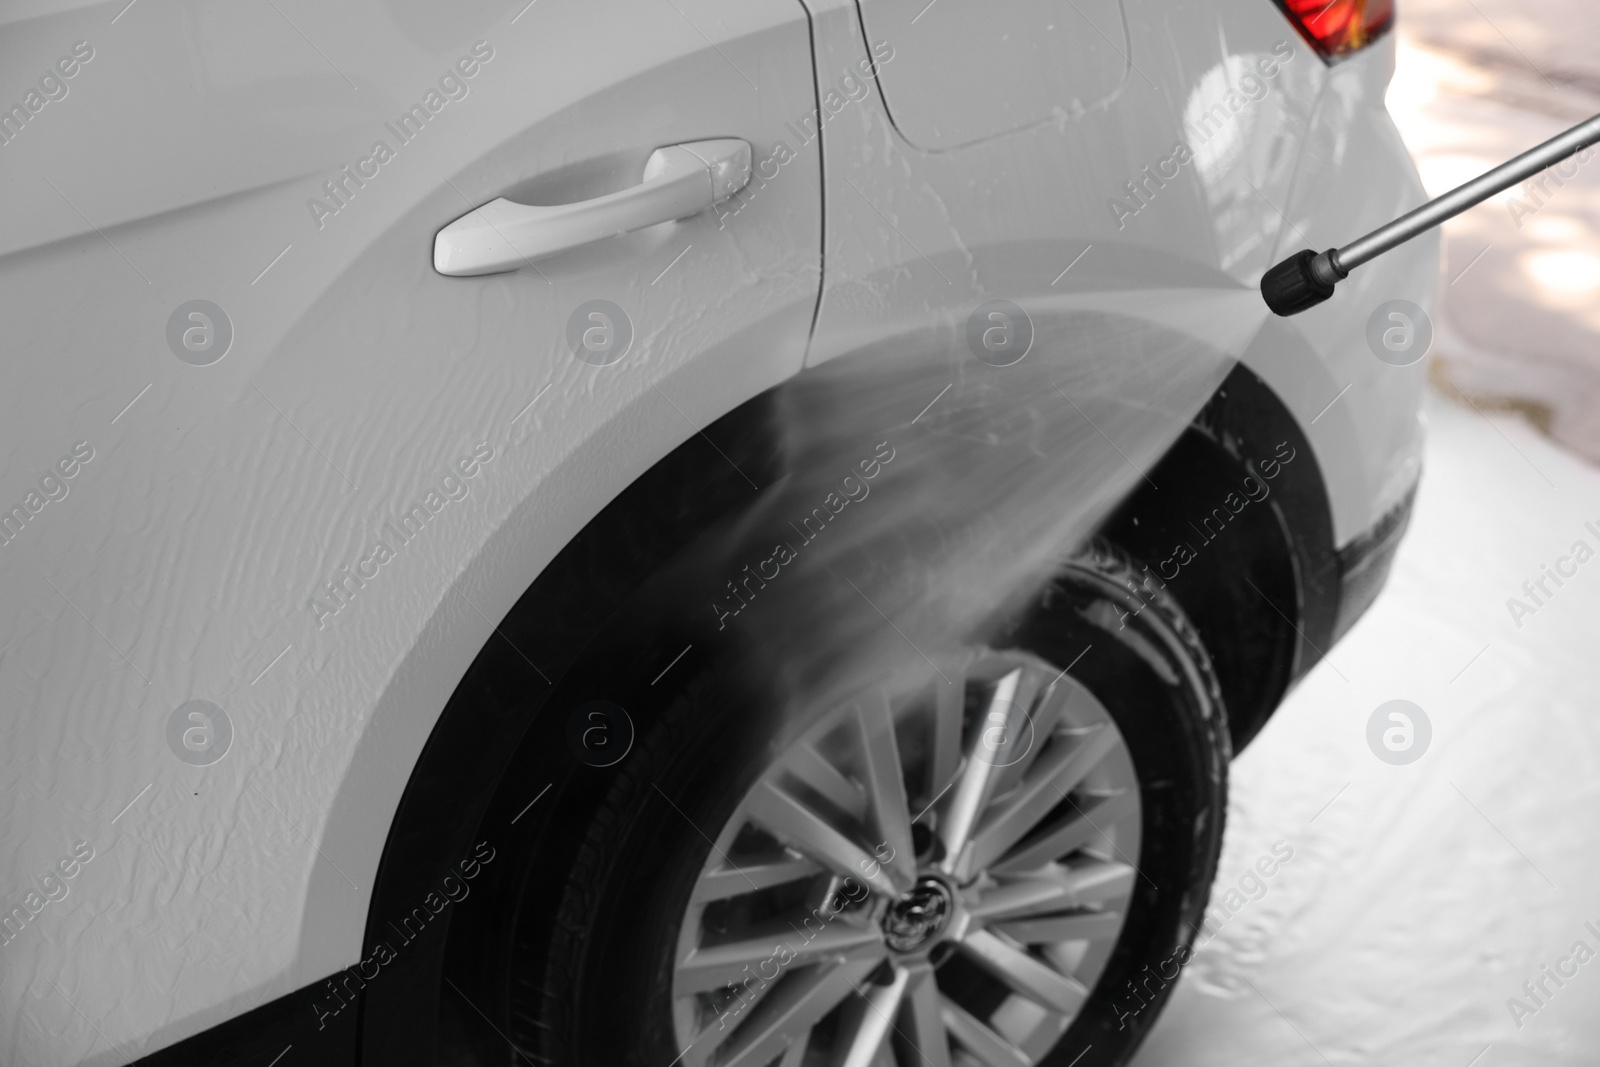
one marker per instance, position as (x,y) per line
(679,181)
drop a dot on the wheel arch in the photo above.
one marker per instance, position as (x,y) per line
(1266,632)
(464,762)
(1286,548)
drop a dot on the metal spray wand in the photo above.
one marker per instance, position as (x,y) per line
(1308,278)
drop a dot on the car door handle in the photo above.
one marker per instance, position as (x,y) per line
(679,181)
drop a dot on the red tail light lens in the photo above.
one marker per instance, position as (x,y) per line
(1336,28)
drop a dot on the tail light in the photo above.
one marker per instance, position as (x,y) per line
(1337,28)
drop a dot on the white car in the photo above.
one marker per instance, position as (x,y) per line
(720,532)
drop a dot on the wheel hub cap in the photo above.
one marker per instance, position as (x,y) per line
(918,917)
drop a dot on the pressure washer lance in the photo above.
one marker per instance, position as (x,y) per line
(1308,278)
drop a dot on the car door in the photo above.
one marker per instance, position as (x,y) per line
(232,370)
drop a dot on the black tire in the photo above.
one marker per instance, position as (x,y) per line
(1156,680)
(590,988)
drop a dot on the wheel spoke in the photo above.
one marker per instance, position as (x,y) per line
(781,945)
(1044,718)
(1052,929)
(748,877)
(1005,717)
(868,1021)
(1037,981)
(1071,831)
(804,830)
(1072,755)
(944,739)
(886,788)
(921,1023)
(1042,894)
(1082,962)
(988,1047)
(812,768)
(704,1049)
(797,1051)
(1103,881)
(789,1012)
(1055,890)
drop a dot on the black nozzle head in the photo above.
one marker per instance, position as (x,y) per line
(1302,281)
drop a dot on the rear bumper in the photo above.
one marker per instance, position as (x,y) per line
(1364,563)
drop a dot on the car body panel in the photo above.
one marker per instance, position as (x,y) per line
(195,545)
(1284,151)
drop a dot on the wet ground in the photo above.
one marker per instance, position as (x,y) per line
(1422,896)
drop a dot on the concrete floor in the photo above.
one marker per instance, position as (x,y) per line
(1421,897)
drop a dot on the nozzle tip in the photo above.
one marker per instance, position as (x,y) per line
(1302,281)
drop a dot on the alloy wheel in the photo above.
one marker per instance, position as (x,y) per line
(934,874)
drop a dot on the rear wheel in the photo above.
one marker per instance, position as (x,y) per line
(995,858)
